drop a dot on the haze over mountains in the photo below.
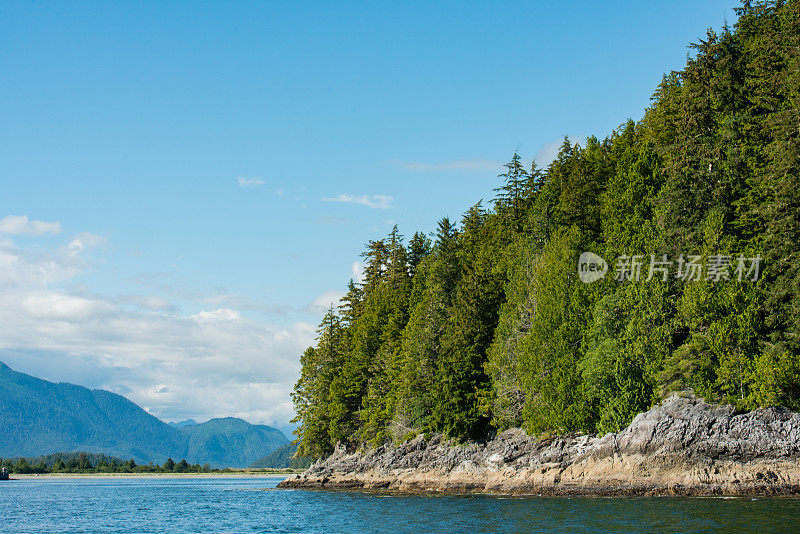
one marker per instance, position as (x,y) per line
(38,417)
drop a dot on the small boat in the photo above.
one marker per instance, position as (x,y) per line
(3,473)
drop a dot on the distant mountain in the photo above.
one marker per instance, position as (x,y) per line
(282,458)
(183,424)
(38,417)
(231,442)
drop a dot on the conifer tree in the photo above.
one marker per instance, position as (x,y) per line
(489,326)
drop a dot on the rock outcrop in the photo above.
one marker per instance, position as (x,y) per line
(683,446)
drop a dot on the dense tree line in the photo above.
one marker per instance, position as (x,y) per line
(487,325)
(81,462)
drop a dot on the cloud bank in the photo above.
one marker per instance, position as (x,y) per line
(211,363)
(325,301)
(20,224)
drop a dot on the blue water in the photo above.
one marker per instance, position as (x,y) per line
(252,505)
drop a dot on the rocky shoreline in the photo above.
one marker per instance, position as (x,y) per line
(684,446)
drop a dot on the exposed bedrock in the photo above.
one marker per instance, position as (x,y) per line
(684,446)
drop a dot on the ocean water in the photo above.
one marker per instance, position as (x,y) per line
(252,505)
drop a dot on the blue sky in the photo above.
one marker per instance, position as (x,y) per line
(205,174)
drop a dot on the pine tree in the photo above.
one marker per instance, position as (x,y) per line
(418,249)
(311,394)
(376,257)
(514,196)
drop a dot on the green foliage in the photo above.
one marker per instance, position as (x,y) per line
(489,327)
(313,392)
(507,398)
(83,462)
(555,397)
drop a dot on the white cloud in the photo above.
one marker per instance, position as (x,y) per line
(547,153)
(37,268)
(83,241)
(381,202)
(249,182)
(54,305)
(138,345)
(218,297)
(149,302)
(474,165)
(323,302)
(20,224)
(357,270)
(222,314)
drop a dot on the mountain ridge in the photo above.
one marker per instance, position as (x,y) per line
(40,417)
(183,424)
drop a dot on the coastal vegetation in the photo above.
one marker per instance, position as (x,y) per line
(82,462)
(85,463)
(487,324)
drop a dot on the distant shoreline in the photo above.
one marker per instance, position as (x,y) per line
(221,474)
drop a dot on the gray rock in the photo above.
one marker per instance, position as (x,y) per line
(682,446)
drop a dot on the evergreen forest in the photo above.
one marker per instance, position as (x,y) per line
(486,324)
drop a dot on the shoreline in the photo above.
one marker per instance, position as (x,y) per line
(682,447)
(435,488)
(233,474)
(738,480)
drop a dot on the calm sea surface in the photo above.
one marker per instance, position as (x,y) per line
(253,505)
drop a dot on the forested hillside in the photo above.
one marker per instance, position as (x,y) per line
(283,458)
(39,418)
(487,324)
(231,442)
